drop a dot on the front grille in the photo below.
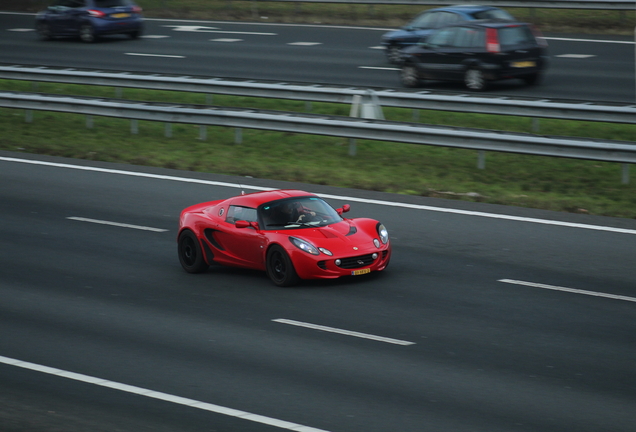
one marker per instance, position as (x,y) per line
(356,262)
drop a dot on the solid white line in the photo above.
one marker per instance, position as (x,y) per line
(154,55)
(161,396)
(305,43)
(571,290)
(379,68)
(117,224)
(338,197)
(576,56)
(590,40)
(344,332)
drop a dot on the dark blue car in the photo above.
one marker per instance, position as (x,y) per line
(432,19)
(89,19)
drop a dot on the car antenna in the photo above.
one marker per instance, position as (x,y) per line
(241,186)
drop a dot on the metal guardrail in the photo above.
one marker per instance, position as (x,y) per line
(540,108)
(547,4)
(348,127)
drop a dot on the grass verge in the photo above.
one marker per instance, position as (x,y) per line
(529,181)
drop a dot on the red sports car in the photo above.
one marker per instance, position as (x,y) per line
(290,234)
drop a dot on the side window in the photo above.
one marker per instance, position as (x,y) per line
(517,35)
(445,18)
(236,213)
(468,38)
(443,38)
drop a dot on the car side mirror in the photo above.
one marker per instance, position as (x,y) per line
(345,208)
(246,224)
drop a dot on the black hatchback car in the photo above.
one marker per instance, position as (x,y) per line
(476,53)
(89,19)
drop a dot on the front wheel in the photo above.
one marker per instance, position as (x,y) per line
(190,253)
(409,76)
(393,54)
(44,31)
(474,79)
(87,33)
(280,268)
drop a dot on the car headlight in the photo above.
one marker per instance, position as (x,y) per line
(304,246)
(383,233)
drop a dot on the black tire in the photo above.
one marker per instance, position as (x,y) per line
(532,79)
(135,34)
(87,33)
(280,269)
(475,79)
(44,31)
(190,253)
(409,76)
(393,54)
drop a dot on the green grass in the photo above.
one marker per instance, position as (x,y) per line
(540,182)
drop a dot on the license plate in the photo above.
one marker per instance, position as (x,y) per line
(120,15)
(360,272)
(524,64)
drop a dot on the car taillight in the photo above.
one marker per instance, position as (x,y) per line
(539,36)
(96,13)
(492,41)
(136,9)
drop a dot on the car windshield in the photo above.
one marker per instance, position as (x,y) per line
(299,212)
(493,14)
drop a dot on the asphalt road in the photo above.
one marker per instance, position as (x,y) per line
(582,67)
(470,349)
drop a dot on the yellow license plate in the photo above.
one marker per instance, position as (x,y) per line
(524,64)
(120,15)
(360,272)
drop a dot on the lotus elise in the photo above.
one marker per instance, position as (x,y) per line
(290,234)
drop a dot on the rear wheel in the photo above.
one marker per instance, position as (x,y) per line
(474,79)
(280,268)
(532,79)
(190,253)
(409,76)
(87,33)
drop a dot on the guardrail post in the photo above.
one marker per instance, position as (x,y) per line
(352,147)
(416,115)
(134,127)
(208,99)
(203,133)
(118,92)
(625,174)
(481,159)
(28,116)
(89,122)
(308,106)
(168,130)
(535,124)
(238,135)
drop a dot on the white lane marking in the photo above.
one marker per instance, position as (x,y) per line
(204,29)
(571,290)
(21,30)
(338,197)
(577,56)
(378,47)
(154,36)
(225,40)
(305,43)
(154,55)
(343,332)
(282,424)
(117,224)
(379,68)
(590,40)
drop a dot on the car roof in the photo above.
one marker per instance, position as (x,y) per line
(465,8)
(494,23)
(257,198)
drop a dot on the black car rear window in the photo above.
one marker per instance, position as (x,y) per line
(517,35)
(112,3)
(493,14)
